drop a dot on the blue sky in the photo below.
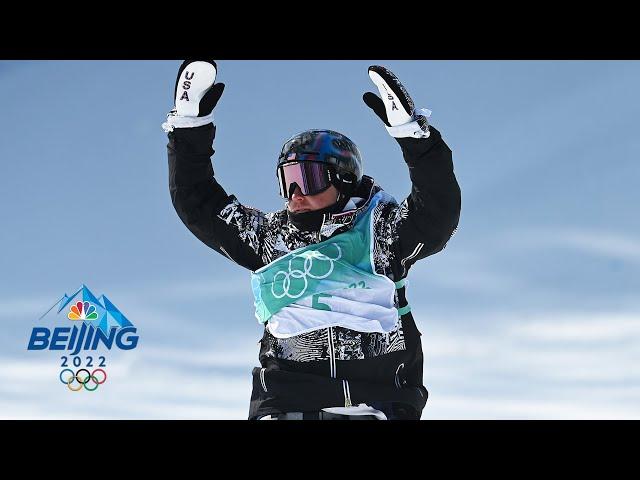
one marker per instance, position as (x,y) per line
(532,310)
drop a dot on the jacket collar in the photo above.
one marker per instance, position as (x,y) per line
(343,221)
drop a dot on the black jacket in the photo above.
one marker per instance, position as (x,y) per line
(333,366)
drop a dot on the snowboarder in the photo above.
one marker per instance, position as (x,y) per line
(328,271)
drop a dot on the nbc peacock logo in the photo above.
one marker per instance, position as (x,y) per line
(97,328)
(82,311)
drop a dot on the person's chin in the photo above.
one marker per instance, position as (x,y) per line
(302,210)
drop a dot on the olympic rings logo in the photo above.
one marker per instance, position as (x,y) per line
(301,275)
(83,381)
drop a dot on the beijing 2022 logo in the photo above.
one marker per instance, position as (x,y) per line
(94,323)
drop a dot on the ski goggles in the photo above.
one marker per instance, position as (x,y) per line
(311,177)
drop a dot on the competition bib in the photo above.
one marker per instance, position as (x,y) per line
(331,283)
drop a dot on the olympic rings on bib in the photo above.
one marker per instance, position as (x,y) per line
(301,275)
(83,381)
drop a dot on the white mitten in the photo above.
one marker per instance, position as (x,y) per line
(195,94)
(396,108)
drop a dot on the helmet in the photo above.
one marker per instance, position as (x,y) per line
(333,149)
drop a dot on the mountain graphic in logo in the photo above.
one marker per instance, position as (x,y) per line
(84,306)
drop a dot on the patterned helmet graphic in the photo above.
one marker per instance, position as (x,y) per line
(325,146)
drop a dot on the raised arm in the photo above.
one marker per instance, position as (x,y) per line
(214,217)
(428,217)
